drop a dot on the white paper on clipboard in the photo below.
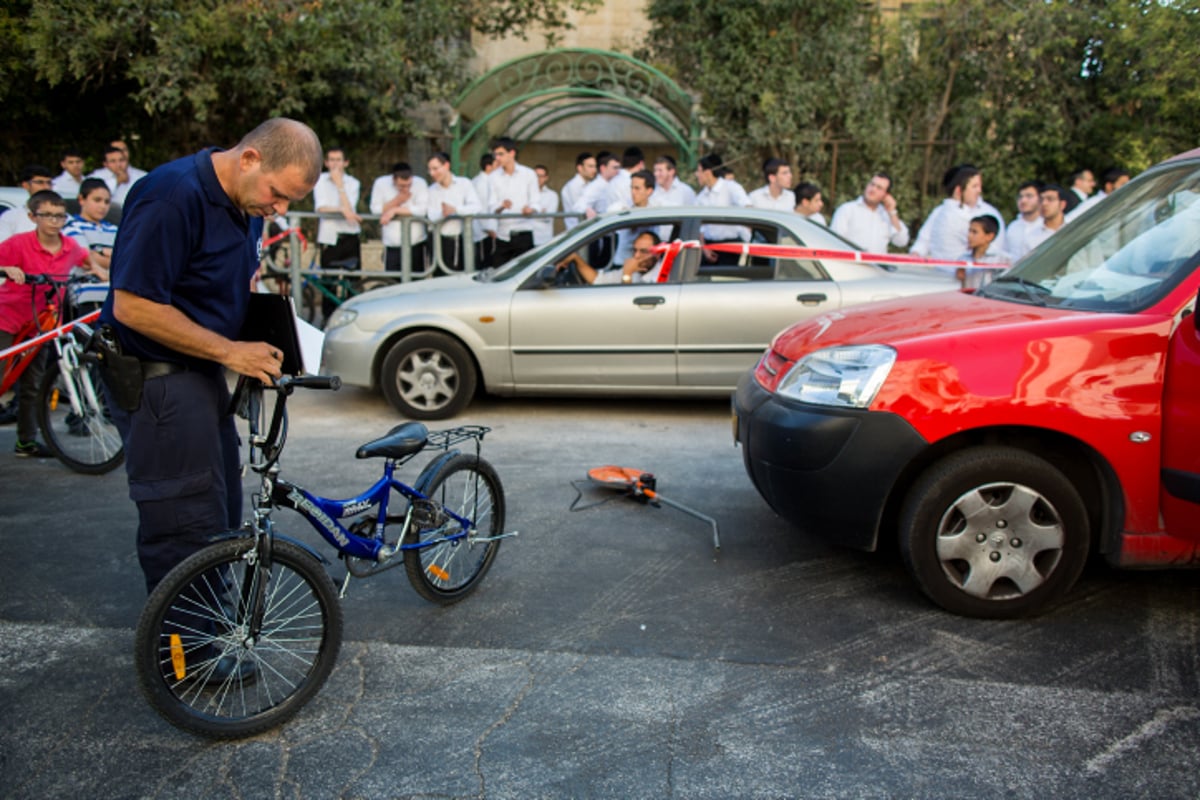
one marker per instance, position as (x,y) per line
(312,339)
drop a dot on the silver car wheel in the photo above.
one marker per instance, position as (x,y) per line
(994,531)
(427,379)
(1000,540)
(428,375)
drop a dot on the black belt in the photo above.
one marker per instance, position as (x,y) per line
(157,369)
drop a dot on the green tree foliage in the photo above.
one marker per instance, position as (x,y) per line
(1021,88)
(180,74)
(777,77)
(1001,82)
(1144,86)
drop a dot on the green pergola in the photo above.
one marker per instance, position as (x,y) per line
(523,97)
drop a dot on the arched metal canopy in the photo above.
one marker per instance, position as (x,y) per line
(527,95)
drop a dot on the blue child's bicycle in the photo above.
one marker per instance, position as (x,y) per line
(243,633)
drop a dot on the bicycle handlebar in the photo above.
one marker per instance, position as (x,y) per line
(330,382)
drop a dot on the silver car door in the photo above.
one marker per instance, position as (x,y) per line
(609,336)
(729,314)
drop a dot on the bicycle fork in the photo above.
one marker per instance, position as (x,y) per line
(68,370)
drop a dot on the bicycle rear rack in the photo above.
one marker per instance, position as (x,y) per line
(445,439)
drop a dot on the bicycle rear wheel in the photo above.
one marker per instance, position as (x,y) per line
(196,662)
(448,571)
(83,438)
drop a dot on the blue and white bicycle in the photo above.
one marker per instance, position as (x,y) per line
(239,636)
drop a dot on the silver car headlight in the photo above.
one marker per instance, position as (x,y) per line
(341,316)
(839,376)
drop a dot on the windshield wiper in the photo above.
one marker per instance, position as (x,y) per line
(1034,291)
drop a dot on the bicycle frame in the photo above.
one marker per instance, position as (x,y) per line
(68,363)
(324,513)
(42,327)
(16,364)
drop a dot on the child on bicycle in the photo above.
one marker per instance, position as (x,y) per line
(42,251)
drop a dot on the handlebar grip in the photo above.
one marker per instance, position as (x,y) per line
(331,382)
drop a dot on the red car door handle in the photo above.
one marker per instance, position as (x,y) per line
(649,301)
(811,299)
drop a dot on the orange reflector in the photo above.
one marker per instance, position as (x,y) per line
(438,572)
(54,400)
(487,319)
(177,660)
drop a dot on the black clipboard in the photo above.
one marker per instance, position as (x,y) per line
(270,318)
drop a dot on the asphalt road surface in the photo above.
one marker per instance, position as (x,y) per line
(607,654)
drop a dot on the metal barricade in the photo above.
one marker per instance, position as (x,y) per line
(435,264)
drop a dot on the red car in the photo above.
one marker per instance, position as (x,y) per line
(1002,436)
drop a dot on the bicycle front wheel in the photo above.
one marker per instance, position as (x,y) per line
(198,661)
(448,570)
(73,415)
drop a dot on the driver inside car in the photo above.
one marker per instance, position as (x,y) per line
(642,267)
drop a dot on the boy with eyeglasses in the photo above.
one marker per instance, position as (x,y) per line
(42,251)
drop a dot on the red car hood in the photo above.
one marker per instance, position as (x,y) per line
(896,322)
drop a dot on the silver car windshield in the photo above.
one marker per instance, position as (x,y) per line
(1123,256)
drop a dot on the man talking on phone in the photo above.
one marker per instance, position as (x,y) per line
(871,220)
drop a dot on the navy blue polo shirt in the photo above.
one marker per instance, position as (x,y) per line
(182,242)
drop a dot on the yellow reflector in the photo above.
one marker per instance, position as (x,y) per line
(177,660)
(438,572)
(54,400)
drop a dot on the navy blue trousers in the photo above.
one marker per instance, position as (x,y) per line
(183,463)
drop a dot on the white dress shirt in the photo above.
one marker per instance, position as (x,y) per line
(326,195)
(723,194)
(521,190)
(1086,204)
(944,234)
(618,275)
(626,236)
(383,190)
(1021,236)
(14,221)
(543,229)
(869,228)
(118,190)
(572,191)
(761,198)
(618,189)
(483,191)
(459,195)
(1040,234)
(66,185)
(595,197)
(680,194)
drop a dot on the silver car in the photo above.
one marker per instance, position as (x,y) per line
(528,327)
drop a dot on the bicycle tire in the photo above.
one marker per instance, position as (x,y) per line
(201,602)
(447,572)
(88,441)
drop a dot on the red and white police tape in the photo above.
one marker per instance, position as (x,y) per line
(789,251)
(48,335)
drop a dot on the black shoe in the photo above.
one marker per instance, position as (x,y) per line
(34,449)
